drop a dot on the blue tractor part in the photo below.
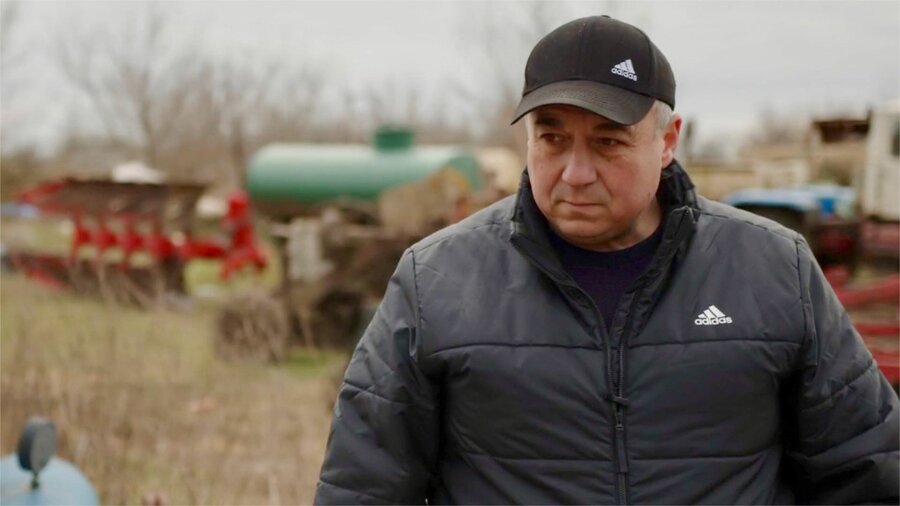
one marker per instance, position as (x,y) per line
(824,214)
(822,200)
(33,476)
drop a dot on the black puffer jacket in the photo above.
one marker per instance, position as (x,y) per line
(731,374)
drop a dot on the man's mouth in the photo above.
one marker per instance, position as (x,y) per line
(580,204)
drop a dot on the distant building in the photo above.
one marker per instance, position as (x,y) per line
(837,149)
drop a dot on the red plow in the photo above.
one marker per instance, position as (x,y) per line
(133,240)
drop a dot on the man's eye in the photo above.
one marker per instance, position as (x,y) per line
(552,138)
(609,141)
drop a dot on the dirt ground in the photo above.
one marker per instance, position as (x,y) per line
(147,411)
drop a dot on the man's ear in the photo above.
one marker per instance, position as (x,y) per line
(670,140)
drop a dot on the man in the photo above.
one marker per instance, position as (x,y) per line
(607,336)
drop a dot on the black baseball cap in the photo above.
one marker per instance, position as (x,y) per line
(600,64)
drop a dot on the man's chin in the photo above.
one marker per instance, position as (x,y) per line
(582,230)
(580,209)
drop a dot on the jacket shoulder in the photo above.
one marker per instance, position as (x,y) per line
(745,221)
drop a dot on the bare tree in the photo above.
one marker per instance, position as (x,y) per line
(775,127)
(11,57)
(500,41)
(406,105)
(290,110)
(238,92)
(9,17)
(9,12)
(137,81)
(19,162)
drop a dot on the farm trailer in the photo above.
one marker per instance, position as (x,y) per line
(340,217)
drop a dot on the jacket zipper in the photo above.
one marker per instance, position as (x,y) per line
(620,402)
(615,381)
(615,387)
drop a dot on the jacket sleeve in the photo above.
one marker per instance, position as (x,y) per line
(383,442)
(845,436)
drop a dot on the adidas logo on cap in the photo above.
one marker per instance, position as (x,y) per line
(625,69)
(712,316)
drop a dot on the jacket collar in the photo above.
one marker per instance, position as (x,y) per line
(676,197)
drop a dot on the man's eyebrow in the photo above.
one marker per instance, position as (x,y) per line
(548,121)
(611,125)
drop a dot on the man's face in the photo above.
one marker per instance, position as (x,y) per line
(596,180)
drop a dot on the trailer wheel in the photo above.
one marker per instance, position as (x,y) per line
(252,327)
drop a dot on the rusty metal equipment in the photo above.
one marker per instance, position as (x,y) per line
(340,217)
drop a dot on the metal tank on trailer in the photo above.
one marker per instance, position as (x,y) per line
(284,179)
(340,217)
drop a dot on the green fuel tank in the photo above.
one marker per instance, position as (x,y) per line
(283,178)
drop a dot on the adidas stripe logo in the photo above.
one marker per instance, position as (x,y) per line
(625,69)
(712,316)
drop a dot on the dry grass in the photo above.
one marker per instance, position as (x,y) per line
(143,407)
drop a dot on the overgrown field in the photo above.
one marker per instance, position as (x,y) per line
(146,410)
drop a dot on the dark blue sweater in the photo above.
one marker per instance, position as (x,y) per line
(605,275)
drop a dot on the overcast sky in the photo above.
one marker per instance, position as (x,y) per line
(731,59)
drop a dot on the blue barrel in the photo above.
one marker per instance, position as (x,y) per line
(60,483)
(33,476)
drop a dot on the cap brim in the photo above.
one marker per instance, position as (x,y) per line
(622,106)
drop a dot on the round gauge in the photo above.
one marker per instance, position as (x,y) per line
(37,444)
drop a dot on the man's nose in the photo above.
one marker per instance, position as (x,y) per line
(579,170)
